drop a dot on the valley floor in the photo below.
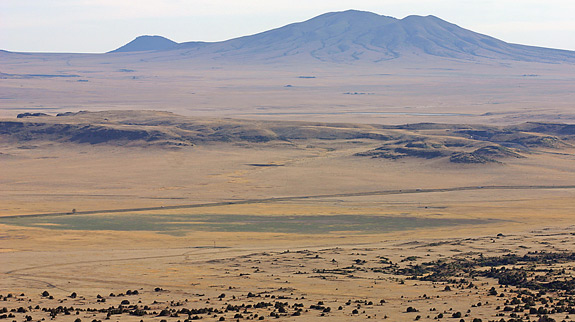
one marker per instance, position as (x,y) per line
(303,229)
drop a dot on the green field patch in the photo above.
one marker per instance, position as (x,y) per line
(179,224)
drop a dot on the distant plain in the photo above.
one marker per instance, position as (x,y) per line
(393,92)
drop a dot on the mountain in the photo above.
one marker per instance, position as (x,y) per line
(353,35)
(333,36)
(147,43)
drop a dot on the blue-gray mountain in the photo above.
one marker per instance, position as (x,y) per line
(357,36)
(145,43)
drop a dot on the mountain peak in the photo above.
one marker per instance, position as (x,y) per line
(352,17)
(147,43)
(351,13)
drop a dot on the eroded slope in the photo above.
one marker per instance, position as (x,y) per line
(456,143)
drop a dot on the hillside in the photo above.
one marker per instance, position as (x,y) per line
(456,143)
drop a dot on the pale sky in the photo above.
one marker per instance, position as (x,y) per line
(103,25)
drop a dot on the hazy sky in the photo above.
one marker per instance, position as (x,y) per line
(103,25)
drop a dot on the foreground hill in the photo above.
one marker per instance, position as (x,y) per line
(358,36)
(456,143)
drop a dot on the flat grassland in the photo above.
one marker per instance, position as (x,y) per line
(393,92)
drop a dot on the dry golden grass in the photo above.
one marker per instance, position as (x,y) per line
(59,177)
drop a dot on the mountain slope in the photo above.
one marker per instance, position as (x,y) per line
(353,35)
(335,35)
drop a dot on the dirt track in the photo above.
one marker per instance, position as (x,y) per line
(270,200)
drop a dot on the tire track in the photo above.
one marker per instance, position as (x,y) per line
(98,261)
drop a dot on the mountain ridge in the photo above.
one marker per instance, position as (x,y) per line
(353,35)
(347,37)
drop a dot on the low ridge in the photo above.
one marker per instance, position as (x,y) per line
(456,143)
